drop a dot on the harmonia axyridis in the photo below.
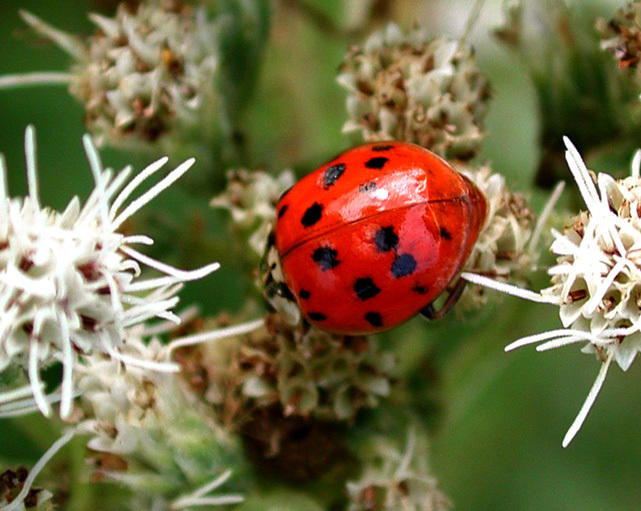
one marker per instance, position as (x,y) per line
(371,238)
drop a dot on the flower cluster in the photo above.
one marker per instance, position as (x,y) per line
(415,88)
(69,282)
(146,73)
(251,199)
(596,282)
(397,481)
(303,370)
(622,35)
(149,433)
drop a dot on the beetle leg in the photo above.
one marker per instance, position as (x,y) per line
(453,296)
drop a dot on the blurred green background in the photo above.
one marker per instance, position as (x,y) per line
(497,444)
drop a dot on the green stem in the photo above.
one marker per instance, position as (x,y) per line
(81,498)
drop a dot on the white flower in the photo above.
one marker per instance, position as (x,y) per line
(18,502)
(70,282)
(175,454)
(150,419)
(122,403)
(596,282)
(251,197)
(143,74)
(413,87)
(397,481)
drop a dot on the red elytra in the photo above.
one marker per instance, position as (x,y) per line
(372,237)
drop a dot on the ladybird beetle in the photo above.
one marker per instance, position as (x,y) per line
(372,237)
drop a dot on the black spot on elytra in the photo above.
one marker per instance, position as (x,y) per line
(403,265)
(385,239)
(332,174)
(316,316)
(365,288)
(304,294)
(368,187)
(445,234)
(378,148)
(421,290)
(282,195)
(378,162)
(374,319)
(282,210)
(312,215)
(325,257)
